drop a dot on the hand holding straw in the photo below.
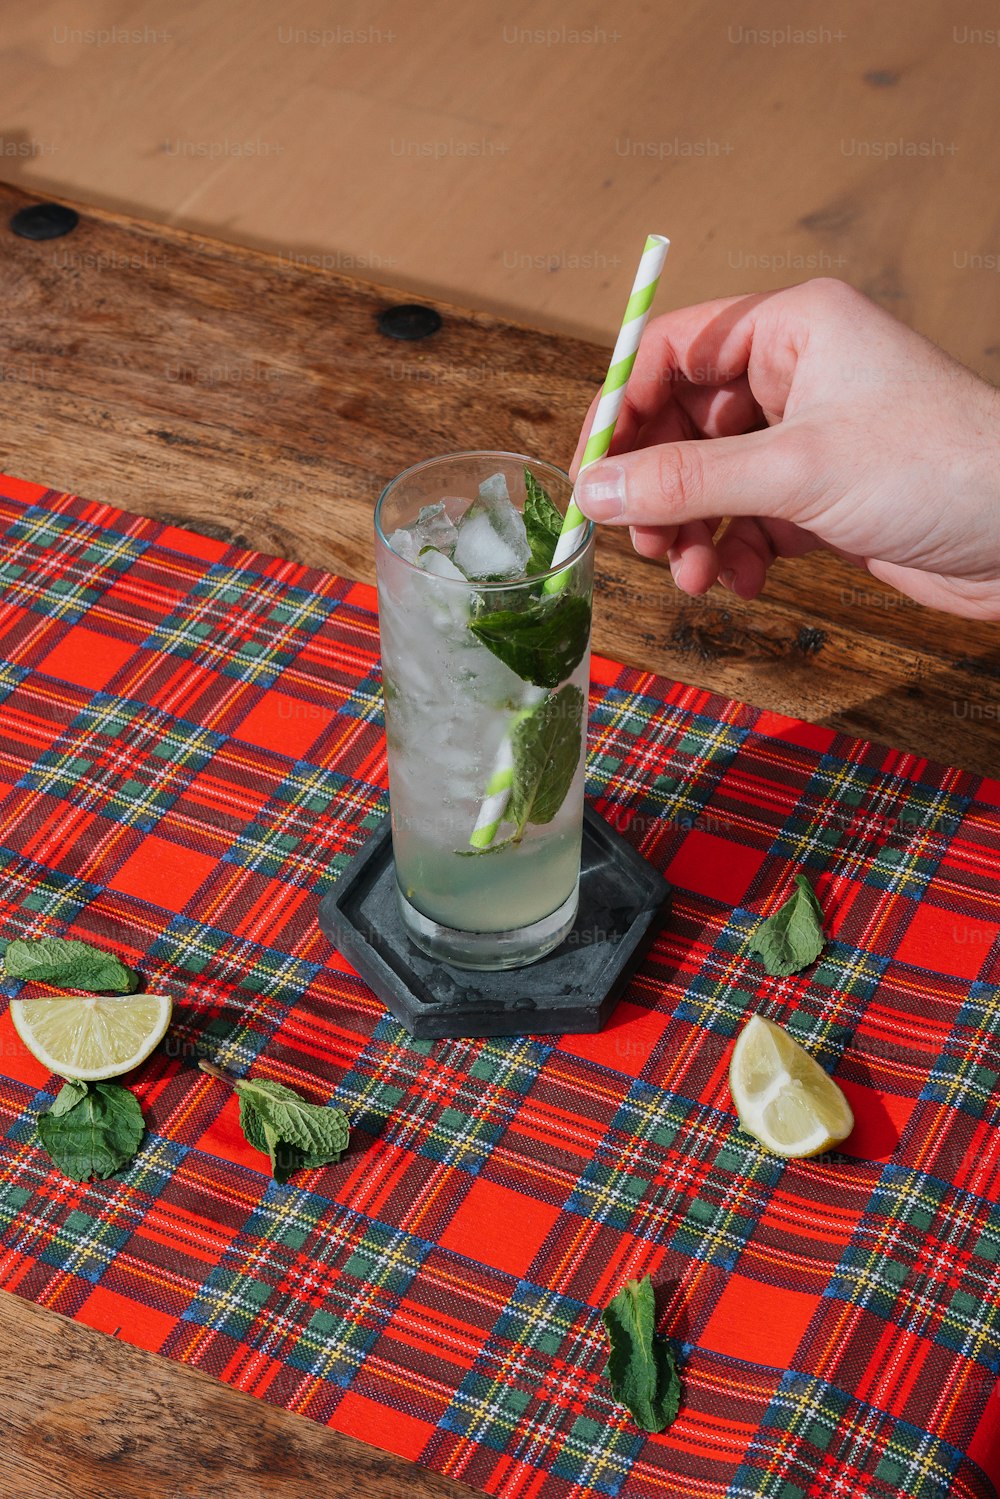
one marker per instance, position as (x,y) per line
(612,393)
(647,277)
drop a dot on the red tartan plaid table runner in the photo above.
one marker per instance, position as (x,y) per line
(191,751)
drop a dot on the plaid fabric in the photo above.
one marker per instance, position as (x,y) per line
(191,750)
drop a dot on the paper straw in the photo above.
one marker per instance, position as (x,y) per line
(612,393)
(647,277)
(498,787)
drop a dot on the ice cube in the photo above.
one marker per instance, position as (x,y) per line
(433,527)
(492,541)
(449,606)
(494,491)
(405,544)
(441,566)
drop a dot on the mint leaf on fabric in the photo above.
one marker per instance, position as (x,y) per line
(792,938)
(294,1133)
(546,747)
(641,1367)
(285,1159)
(68,964)
(252,1126)
(542,522)
(544,643)
(69,1095)
(93,1134)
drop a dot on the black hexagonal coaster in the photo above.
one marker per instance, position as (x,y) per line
(622,899)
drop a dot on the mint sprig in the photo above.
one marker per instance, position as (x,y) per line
(546,745)
(92,1129)
(792,937)
(542,644)
(280,1123)
(68,964)
(641,1367)
(542,522)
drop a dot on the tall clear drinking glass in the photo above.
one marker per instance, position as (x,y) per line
(485,690)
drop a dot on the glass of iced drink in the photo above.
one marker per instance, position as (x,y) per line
(485,667)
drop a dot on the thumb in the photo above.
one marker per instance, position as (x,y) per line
(761,473)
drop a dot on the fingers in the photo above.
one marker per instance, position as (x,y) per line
(764,473)
(708,345)
(718,411)
(653,542)
(692,557)
(739,559)
(689,551)
(744,554)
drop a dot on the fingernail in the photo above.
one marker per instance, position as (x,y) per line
(600,491)
(728,579)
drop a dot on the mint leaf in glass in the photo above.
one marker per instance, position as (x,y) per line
(792,938)
(546,746)
(68,964)
(93,1133)
(641,1367)
(542,644)
(542,522)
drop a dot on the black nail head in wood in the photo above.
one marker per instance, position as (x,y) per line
(44,221)
(409,321)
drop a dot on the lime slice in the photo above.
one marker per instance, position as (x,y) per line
(782,1095)
(91,1036)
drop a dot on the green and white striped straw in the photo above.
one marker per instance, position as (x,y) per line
(498,787)
(647,277)
(612,394)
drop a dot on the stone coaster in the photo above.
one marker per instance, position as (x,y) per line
(575,988)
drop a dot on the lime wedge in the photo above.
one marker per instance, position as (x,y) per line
(91,1036)
(782,1095)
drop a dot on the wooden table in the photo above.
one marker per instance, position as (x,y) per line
(224,390)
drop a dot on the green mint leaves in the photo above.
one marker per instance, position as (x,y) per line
(542,522)
(543,643)
(641,1367)
(92,1129)
(72,1092)
(277,1121)
(68,964)
(546,745)
(295,1134)
(792,938)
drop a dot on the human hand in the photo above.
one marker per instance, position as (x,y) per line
(831,425)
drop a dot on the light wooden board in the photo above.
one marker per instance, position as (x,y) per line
(513,157)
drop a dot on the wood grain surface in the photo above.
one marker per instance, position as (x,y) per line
(226,390)
(88,1417)
(256,401)
(514,157)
